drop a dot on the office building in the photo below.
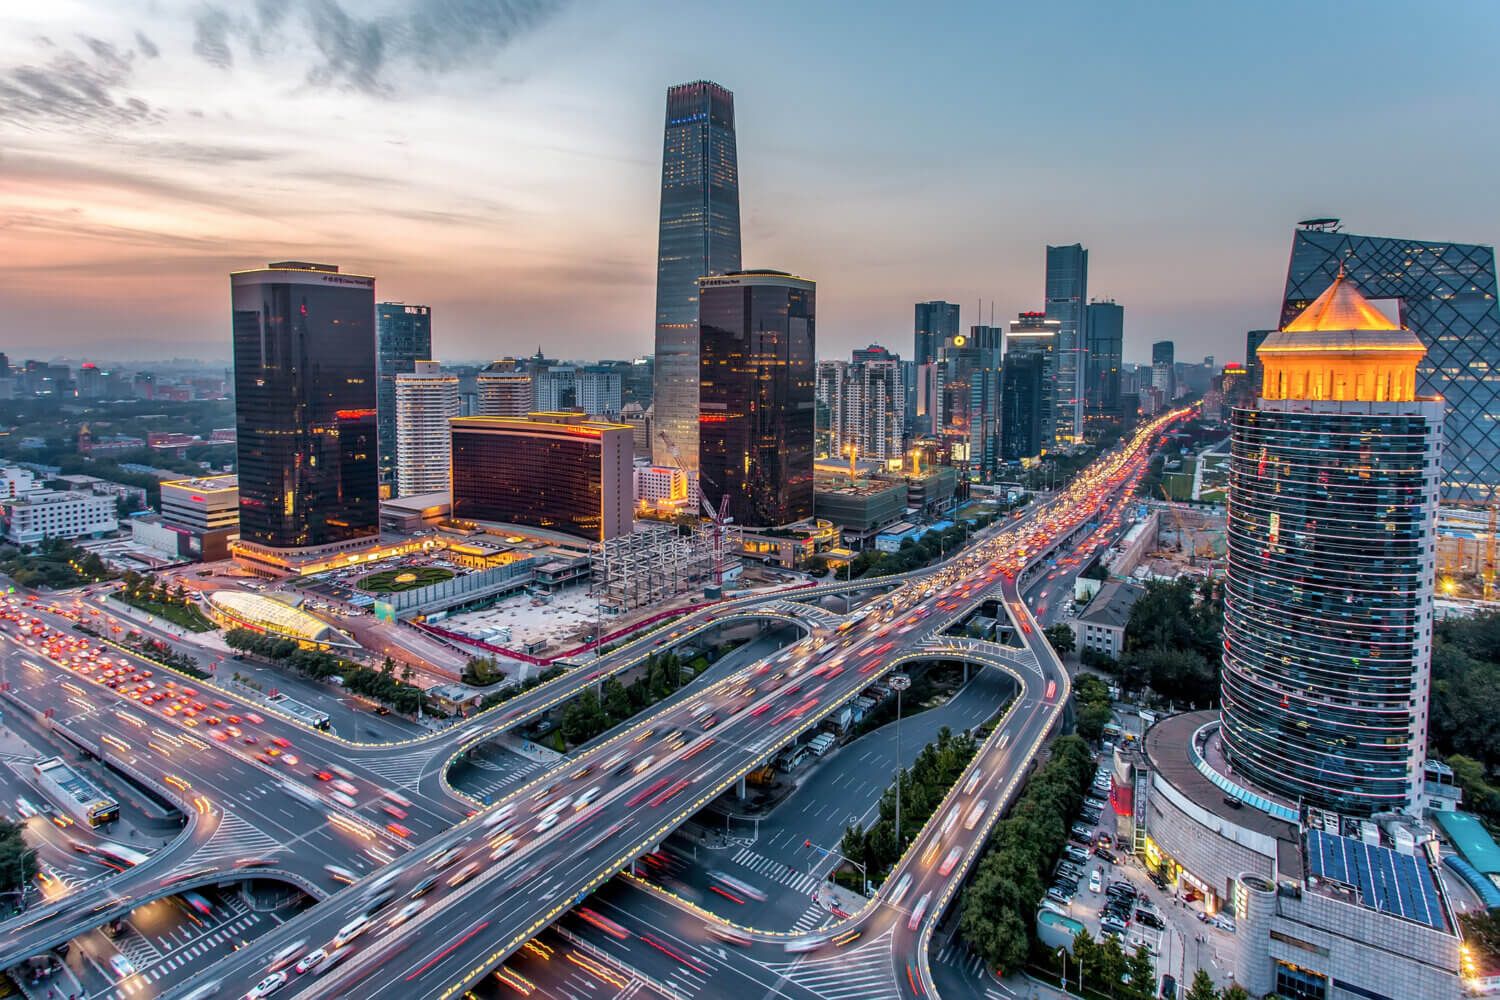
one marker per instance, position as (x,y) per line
(699,236)
(865,402)
(426,399)
(1067,295)
(1164,370)
(1104,342)
(1253,340)
(758,342)
(1024,417)
(936,324)
(971,401)
(929,400)
(597,391)
(1333,491)
(555,388)
(555,471)
(1036,333)
(304,379)
(1447,294)
(41,514)
(504,394)
(403,337)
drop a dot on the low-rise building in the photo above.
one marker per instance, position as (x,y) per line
(1101,626)
(860,508)
(42,514)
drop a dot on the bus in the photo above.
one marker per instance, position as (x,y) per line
(80,796)
(118,855)
(198,903)
(305,714)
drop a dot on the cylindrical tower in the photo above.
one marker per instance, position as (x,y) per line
(1254,910)
(1328,601)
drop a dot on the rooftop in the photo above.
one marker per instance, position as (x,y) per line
(1340,307)
(1111,606)
(275,616)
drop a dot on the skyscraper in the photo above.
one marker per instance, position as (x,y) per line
(1333,492)
(304,397)
(404,337)
(936,324)
(866,404)
(972,400)
(1034,333)
(426,399)
(1253,340)
(699,236)
(1105,342)
(757,395)
(1447,294)
(1022,413)
(1164,369)
(1067,295)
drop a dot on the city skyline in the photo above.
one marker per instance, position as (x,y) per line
(538,224)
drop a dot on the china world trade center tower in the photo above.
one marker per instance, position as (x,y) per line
(699,236)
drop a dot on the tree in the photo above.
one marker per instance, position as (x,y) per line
(1234,992)
(1202,988)
(1062,638)
(481,671)
(616,701)
(17,861)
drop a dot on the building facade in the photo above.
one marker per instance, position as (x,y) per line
(1447,294)
(936,324)
(555,388)
(1036,334)
(699,236)
(557,471)
(504,394)
(1067,297)
(1333,490)
(866,404)
(598,391)
(305,406)
(204,512)
(758,344)
(1104,348)
(403,337)
(426,399)
(42,514)
(1164,369)
(971,401)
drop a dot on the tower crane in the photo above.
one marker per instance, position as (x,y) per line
(1487,576)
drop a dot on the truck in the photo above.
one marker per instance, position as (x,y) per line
(821,744)
(761,776)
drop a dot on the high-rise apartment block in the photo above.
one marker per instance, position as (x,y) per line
(555,388)
(866,404)
(404,336)
(556,471)
(699,236)
(1333,492)
(426,399)
(758,344)
(1104,343)
(1067,297)
(305,405)
(598,391)
(1447,294)
(936,324)
(505,394)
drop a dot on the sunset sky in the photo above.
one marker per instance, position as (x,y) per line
(499,159)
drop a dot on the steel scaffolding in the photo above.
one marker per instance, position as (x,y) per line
(653,563)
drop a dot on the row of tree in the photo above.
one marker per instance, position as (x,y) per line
(17,861)
(918,552)
(380,685)
(1103,967)
(1465,704)
(998,908)
(1172,642)
(1092,709)
(923,786)
(54,563)
(590,714)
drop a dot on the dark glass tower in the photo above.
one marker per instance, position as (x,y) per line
(1164,369)
(700,235)
(1105,346)
(757,395)
(936,323)
(403,337)
(1447,294)
(304,390)
(1022,411)
(1067,297)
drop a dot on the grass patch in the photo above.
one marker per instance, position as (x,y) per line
(185,615)
(393,581)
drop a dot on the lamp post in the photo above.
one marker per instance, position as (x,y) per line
(899,683)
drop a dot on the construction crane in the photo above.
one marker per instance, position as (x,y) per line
(720,518)
(1182,531)
(1487,576)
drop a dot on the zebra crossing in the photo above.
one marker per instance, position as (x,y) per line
(400,769)
(776,871)
(142,953)
(863,974)
(512,776)
(235,838)
(151,970)
(814,916)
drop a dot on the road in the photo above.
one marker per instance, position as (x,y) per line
(513,871)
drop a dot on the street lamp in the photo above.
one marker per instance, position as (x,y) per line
(899,683)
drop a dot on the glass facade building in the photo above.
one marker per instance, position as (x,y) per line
(1164,369)
(1023,407)
(971,408)
(403,337)
(936,323)
(304,380)
(699,236)
(1333,489)
(1447,296)
(556,471)
(757,395)
(1067,297)
(1034,333)
(1105,346)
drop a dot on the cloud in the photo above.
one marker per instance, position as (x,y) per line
(146,46)
(356,51)
(74,89)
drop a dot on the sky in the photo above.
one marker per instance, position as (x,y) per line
(500,160)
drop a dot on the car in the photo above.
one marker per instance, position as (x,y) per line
(1223,922)
(406,912)
(350,931)
(1059,893)
(1096,883)
(1149,919)
(281,741)
(1105,854)
(380,900)
(286,955)
(311,960)
(1075,854)
(423,887)
(267,986)
(122,966)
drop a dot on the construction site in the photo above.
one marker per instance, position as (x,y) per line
(1466,552)
(657,562)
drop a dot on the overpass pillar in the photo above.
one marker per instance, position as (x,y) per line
(739,788)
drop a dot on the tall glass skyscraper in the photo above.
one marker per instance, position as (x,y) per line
(935,323)
(304,402)
(1333,492)
(1105,343)
(758,395)
(1033,333)
(1447,293)
(404,337)
(1067,297)
(699,236)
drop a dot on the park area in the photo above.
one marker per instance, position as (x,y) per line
(393,581)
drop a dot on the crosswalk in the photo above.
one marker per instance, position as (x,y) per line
(863,974)
(152,965)
(505,779)
(235,838)
(401,769)
(776,871)
(814,916)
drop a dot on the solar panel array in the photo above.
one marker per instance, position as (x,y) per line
(1393,883)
